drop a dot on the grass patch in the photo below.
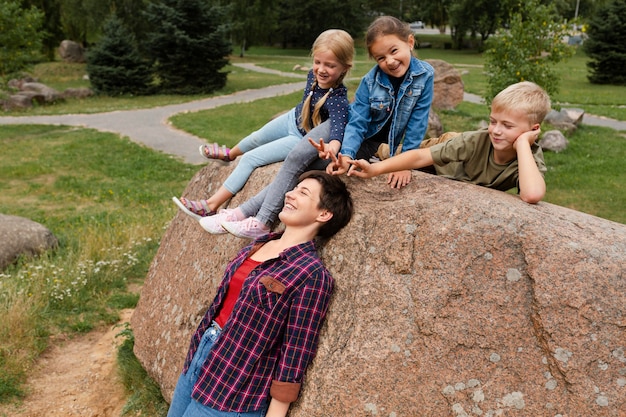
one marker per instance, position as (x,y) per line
(226,124)
(144,395)
(107,201)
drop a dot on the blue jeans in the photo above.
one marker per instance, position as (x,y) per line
(183,405)
(269,144)
(266,204)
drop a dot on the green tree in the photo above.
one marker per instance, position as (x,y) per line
(605,46)
(528,50)
(253,22)
(20,37)
(82,19)
(114,64)
(302,21)
(53,32)
(188,45)
(476,18)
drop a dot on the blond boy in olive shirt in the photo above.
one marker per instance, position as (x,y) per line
(503,156)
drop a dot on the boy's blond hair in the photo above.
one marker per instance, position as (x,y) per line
(524,96)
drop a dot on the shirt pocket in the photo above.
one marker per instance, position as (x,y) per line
(379,108)
(269,291)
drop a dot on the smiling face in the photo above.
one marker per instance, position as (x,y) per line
(327,68)
(505,127)
(302,204)
(392,54)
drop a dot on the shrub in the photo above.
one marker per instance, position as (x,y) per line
(114,64)
(528,50)
(605,45)
(20,36)
(188,45)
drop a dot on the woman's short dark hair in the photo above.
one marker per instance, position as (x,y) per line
(334,197)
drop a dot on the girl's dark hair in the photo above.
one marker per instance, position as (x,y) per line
(386,25)
(335,198)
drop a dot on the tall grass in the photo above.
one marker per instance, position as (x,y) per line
(107,201)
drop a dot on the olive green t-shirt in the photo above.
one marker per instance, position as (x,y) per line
(469,158)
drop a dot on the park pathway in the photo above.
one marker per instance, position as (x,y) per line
(151,127)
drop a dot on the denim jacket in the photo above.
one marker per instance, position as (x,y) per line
(374,104)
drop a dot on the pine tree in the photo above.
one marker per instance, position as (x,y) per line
(114,65)
(189,46)
(605,46)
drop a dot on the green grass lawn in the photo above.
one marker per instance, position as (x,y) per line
(108,199)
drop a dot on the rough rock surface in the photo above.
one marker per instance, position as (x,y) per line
(553,140)
(448,88)
(21,236)
(71,51)
(450,300)
(566,120)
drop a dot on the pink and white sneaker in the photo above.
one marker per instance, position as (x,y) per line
(213,224)
(250,228)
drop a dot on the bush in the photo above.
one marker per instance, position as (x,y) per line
(605,45)
(528,50)
(114,64)
(20,37)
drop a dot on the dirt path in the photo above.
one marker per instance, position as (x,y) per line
(76,377)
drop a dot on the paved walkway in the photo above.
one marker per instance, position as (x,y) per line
(151,127)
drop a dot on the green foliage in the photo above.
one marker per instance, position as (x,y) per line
(473,17)
(81,19)
(528,50)
(606,44)
(20,37)
(114,64)
(300,22)
(189,45)
(144,395)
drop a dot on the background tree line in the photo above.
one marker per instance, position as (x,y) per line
(189,41)
(293,22)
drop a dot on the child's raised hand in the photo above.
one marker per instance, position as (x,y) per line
(338,165)
(322,150)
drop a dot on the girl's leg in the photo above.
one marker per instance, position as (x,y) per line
(269,153)
(274,129)
(297,162)
(221,196)
(252,206)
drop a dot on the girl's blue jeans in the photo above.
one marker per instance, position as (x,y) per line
(183,405)
(266,205)
(269,144)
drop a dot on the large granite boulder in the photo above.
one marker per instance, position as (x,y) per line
(448,85)
(451,300)
(20,236)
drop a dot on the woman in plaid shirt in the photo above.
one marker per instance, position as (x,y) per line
(250,352)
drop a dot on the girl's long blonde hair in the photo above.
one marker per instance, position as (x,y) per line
(341,44)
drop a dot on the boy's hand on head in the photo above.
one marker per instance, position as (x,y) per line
(399,179)
(529,137)
(360,168)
